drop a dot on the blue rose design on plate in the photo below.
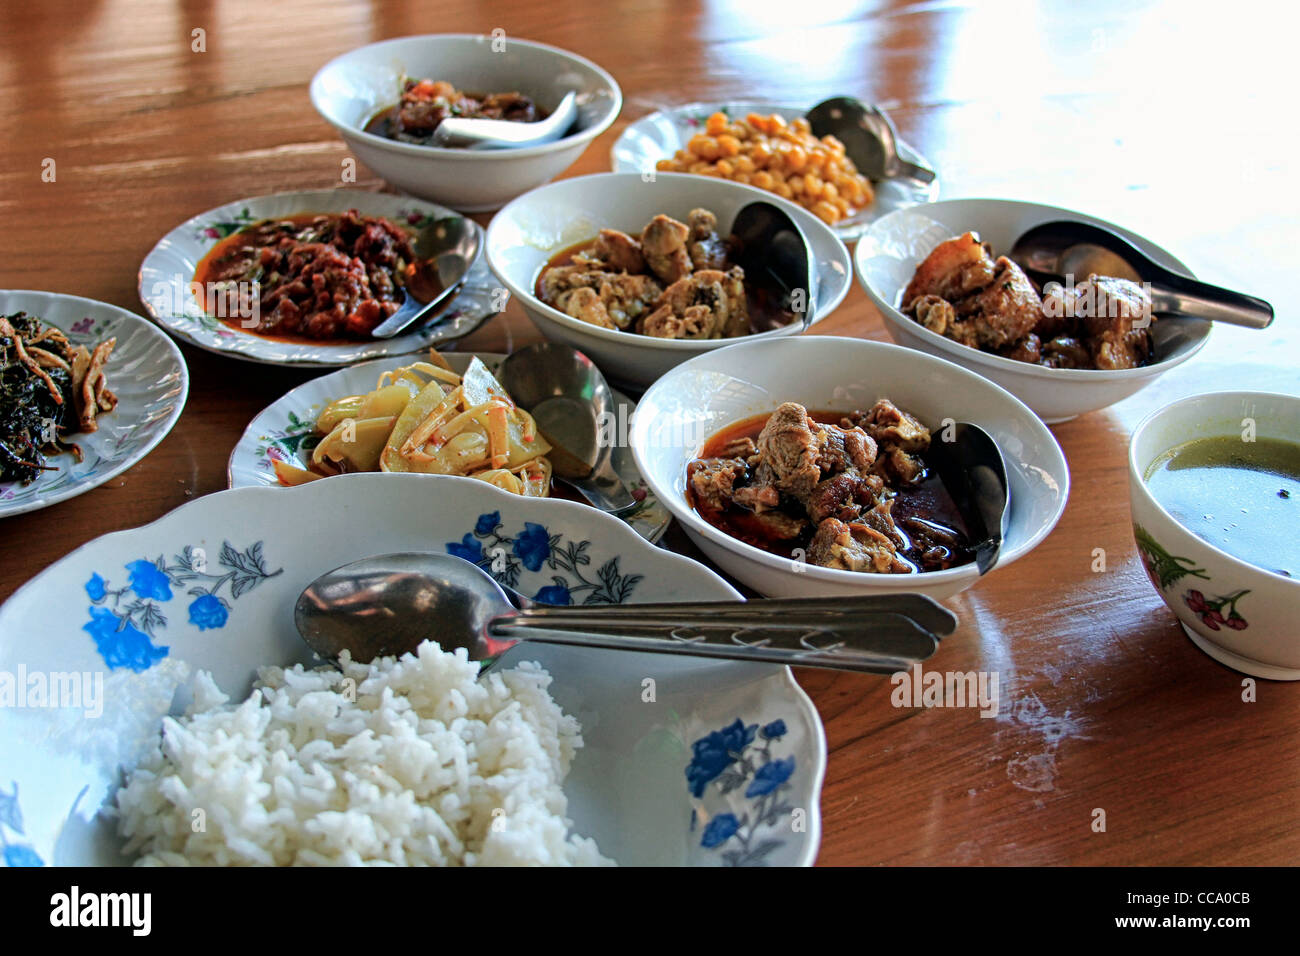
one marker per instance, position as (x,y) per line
(534,549)
(125,622)
(11,827)
(725,760)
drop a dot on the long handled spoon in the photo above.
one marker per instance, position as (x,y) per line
(389,604)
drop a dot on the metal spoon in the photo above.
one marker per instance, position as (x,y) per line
(777,257)
(574,409)
(869,136)
(446,250)
(1054,251)
(389,604)
(969,463)
(504,134)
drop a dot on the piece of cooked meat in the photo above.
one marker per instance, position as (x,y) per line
(585,303)
(854,547)
(889,425)
(1114,305)
(738,448)
(836,497)
(703,305)
(1114,349)
(788,447)
(990,303)
(1102,323)
(1065,351)
(713,481)
(628,297)
(1029,349)
(612,300)
(840,449)
(899,466)
(694,322)
(881,518)
(956,268)
(706,248)
(939,316)
(899,437)
(1004,311)
(1099,304)
(780,526)
(619,251)
(760,494)
(663,243)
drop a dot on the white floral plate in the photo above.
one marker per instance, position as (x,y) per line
(283,431)
(686,762)
(169,267)
(660,135)
(145,371)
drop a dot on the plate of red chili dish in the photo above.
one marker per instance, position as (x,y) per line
(304,278)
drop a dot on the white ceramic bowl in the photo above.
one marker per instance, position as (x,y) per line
(887,257)
(352,88)
(663,779)
(1195,578)
(528,232)
(824,373)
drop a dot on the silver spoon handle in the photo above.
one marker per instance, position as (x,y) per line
(880,635)
(1192,297)
(902,169)
(605,490)
(412,311)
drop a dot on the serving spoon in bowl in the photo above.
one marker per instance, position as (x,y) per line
(1053,251)
(389,604)
(970,466)
(465,133)
(869,136)
(574,409)
(445,252)
(777,257)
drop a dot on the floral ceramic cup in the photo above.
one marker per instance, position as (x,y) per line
(1241,615)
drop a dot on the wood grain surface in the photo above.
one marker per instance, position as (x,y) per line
(1167,118)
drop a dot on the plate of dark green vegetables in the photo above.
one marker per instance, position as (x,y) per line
(86,390)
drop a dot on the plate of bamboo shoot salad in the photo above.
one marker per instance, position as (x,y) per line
(429,414)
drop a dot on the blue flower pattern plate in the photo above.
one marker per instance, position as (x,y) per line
(686,762)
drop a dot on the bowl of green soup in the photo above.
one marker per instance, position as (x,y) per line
(1214,485)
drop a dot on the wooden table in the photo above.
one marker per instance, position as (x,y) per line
(1164,118)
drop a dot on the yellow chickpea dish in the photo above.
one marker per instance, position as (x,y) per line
(782,157)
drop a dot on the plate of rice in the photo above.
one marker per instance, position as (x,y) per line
(157,706)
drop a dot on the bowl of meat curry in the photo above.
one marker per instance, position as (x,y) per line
(944,283)
(642,275)
(805,467)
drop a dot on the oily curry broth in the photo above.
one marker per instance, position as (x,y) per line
(765,311)
(917,508)
(1242,497)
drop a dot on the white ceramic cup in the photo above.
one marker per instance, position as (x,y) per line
(1241,615)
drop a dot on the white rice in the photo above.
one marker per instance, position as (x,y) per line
(410,762)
